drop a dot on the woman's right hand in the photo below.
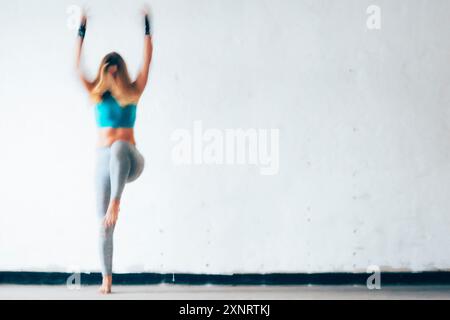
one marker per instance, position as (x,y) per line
(82,27)
(83,19)
(145,10)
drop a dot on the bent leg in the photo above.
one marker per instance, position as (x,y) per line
(120,165)
(137,164)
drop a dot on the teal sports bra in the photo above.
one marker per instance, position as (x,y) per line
(109,113)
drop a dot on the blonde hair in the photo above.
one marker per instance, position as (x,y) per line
(121,87)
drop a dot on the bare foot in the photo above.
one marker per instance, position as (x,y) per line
(112,214)
(106,285)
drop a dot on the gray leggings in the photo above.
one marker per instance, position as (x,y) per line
(116,165)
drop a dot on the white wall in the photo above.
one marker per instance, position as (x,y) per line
(364,145)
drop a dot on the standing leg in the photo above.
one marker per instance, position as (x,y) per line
(103,192)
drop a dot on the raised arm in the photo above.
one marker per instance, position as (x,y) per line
(142,77)
(80,38)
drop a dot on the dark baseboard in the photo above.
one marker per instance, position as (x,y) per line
(387,278)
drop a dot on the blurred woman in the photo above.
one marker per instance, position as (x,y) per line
(118,161)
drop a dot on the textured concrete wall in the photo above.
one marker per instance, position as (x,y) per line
(363,146)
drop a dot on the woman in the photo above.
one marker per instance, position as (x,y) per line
(118,161)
